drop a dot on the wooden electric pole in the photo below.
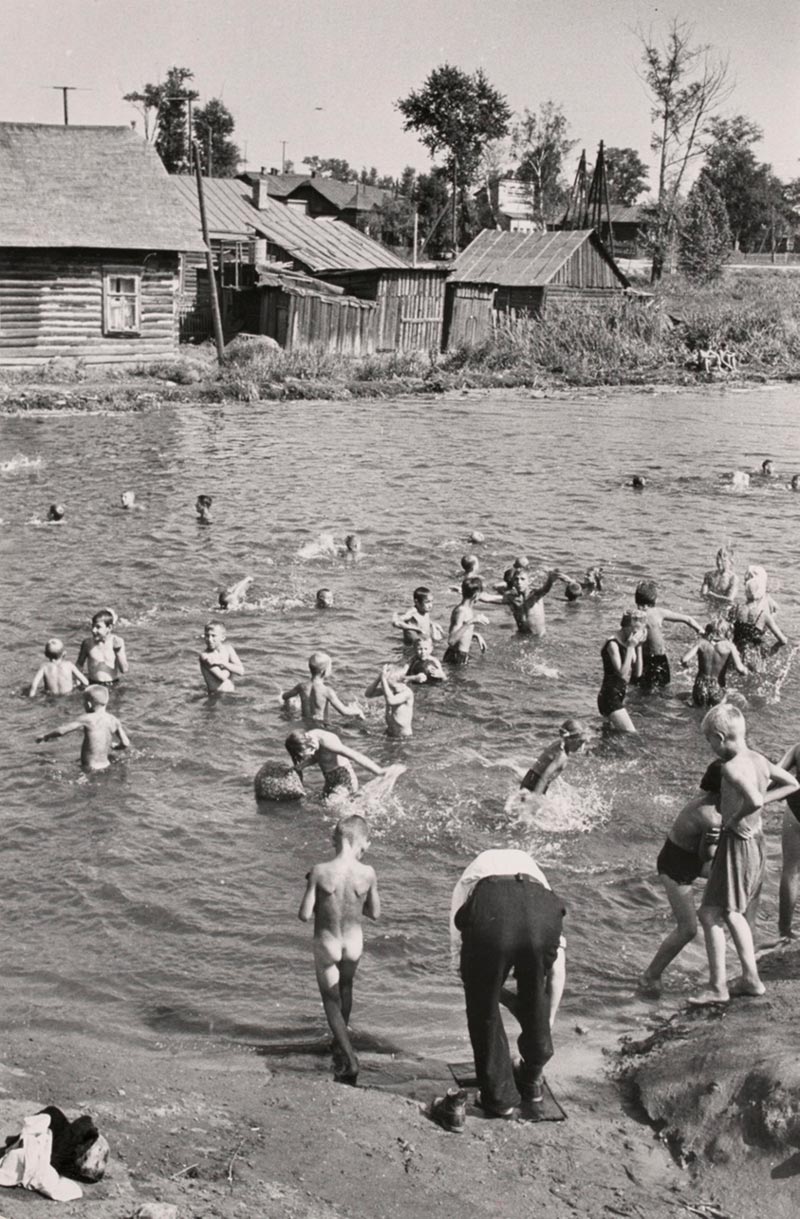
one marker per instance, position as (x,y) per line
(212,279)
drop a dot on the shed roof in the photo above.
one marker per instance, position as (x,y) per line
(325,244)
(516,260)
(344,195)
(91,187)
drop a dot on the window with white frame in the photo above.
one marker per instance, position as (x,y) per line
(122,302)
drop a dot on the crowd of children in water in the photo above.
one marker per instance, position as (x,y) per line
(718,834)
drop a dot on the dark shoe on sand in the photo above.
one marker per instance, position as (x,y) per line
(533,1093)
(450,1111)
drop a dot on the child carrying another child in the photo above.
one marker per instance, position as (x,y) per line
(219,660)
(316,696)
(715,655)
(684,858)
(737,871)
(57,673)
(338,894)
(102,731)
(655,670)
(102,653)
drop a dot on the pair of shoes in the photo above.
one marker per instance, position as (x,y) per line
(450,1111)
(492,1112)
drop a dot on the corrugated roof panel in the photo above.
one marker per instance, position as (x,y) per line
(513,260)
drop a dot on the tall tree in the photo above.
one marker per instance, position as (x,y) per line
(704,236)
(213,127)
(687,83)
(744,184)
(163,107)
(455,116)
(540,142)
(626,174)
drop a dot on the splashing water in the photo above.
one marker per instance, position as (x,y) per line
(20,463)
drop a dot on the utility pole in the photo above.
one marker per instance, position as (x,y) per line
(283,155)
(455,205)
(65,90)
(212,281)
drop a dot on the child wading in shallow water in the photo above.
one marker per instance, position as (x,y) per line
(102,731)
(338,894)
(737,871)
(622,661)
(57,673)
(655,671)
(715,655)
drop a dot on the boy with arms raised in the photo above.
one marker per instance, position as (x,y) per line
(737,873)
(525,599)
(57,673)
(316,696)
(656,662)
(338,894)
(102,654)
(102,732)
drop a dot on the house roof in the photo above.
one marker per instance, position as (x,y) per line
(90,187)
(325,244)
(527,260)
(621,214)
(346,196)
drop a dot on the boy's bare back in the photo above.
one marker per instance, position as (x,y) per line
(342,886)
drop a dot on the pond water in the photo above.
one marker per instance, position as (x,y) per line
(158,897)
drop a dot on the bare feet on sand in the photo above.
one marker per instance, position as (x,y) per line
(707,998)
(744,988)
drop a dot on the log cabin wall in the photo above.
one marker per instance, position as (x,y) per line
(52,304)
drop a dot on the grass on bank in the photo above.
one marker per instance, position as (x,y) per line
(629,342)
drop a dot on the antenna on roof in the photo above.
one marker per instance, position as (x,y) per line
(65,90)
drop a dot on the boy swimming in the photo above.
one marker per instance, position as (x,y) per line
(102,654)
(338,894)
(234,596)
(102,731)
(203,509)
(655,670)
(551,761)
(57,673)
(333,757)
(463,621)
(739,865)
(684,858)
(219,660)
(324,599)
(417,623)
(715,653)
(316,696)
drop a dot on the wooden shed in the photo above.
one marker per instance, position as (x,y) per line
(90,240)
(516,274)
(298,311)
(410,304)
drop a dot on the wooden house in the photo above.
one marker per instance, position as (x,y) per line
(409,301)
(517,274)
(90,239)
(313,195)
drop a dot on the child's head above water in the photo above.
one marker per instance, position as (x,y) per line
(767,467)
(95,696)
(215,633)
(720,628)
(324,598)
(646,593)
(423,647)
(300,746)
(54,649)
(723,727)
(319,664)
(102,623)
(56,512)
(471,588)
(354,831)
(573,591)
(423,599)
(634,624)
(638,482)
(755,583)
(573,734)
(470,564)
(353,543)
(128,499)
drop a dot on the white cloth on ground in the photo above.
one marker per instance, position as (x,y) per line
(27,1163)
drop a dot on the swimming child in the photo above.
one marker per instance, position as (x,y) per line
(463,621)
(102,731)
(398,698)
(739,865)
(102,654)
(638,483)
(219,660)
(417,623)
(768,468)
(337,894)
(590,586)
(333,757)
(794,485)
(56,512)
(316,696)
(57,673)
(234,596)
(715,653)
(656,662)
(684,858)
(753,617)
(622,660)
(424,663)
(723,583)
(324,599)
(525,599)
(352,546)
(203,509)
(551,761)
(790,847)
(127,500)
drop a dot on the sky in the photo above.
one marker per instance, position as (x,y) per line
(323,75)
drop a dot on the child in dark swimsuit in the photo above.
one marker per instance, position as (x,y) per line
(685,856)
(656,663)
(715,654)
(753,617)
(622,659)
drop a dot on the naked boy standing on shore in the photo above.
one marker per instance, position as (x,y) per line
(338,894)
